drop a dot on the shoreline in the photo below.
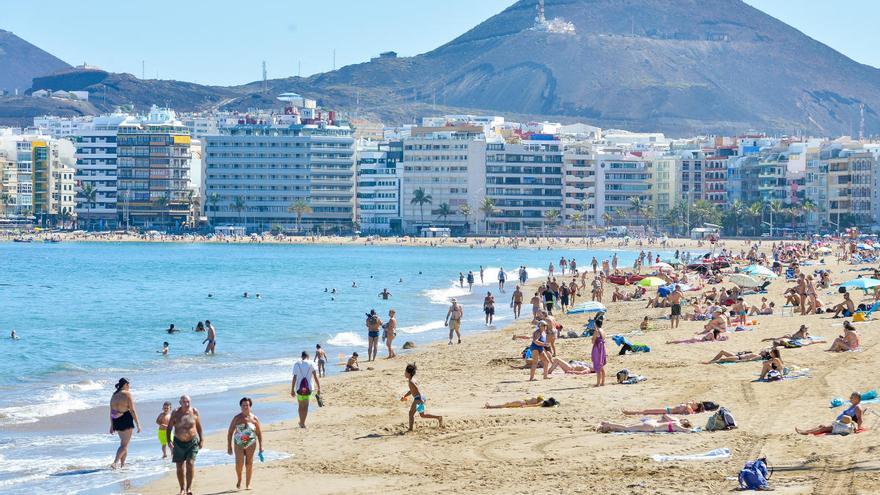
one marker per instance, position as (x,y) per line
(358,440)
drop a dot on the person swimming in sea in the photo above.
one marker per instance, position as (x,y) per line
(165,349)
(13,336)
(171,329)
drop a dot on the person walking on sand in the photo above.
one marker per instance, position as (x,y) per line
(453,320)
(390,333)
(123,419)
(675,306)
(489,307)
(321,359)
(598,355)
(185,442)
(374,323)
(418,405)
(301,386)
(210,337)
(162,420)
(243,438)
(516,301)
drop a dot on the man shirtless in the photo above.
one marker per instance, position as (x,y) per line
(453,320)
(489,308)
(210,338)
(516,301)
(675,306)
(536,307)
(187,441)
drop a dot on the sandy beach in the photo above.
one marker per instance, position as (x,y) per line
(358,441)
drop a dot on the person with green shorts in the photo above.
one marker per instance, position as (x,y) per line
(187,427)
(305,381)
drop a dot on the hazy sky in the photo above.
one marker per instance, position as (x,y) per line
(225,42)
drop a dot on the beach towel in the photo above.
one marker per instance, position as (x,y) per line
(792,373)
(693,430)
(813,339)
(712,455)
(823,434)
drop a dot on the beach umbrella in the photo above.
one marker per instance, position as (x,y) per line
(862,245)
(861,283)
(652,282)
(661,266)
(588,307)
(759,271)
(744,280)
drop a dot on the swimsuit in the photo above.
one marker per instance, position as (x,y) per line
(163,437)
(184,451)
(420,403)
(123,421)
(244,435)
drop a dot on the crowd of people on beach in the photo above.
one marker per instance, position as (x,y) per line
(690,287)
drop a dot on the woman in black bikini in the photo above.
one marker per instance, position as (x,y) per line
(123,419)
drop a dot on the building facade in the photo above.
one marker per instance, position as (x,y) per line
(449,165)
(153,171)
(524,180)
(579,185)
(255,173)
(96,172)
(378,189)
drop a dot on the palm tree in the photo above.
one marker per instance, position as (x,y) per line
(754,212)
(213,199)
(300,207)
(160,204)
(636,205)
(88,193)
(421,198)
(736,211)
(444,211)
(808,206)
(488,209)
(466,211)
(238,205)
(195,204)
(65,216)
(576,218)
(607,218)
(776,206)
(551,216)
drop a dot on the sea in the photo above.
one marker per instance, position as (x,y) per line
(87,314)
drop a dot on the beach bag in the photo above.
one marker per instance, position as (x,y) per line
(721,420)
(754,475)
(304,387)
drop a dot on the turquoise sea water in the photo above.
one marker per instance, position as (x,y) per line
(88,314)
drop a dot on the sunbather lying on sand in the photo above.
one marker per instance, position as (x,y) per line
(666,424)
(742,356)
(692,407)
(714,335)
(533,402)
(571,367)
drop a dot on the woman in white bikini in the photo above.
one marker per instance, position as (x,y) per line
(245,434)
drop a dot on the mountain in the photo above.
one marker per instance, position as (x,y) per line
(21,61)
(679,66)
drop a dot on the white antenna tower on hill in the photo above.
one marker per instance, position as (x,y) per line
(265,81)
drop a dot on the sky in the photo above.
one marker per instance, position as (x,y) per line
(225,42)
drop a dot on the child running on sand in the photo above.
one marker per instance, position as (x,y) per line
(162,420)
(418,405)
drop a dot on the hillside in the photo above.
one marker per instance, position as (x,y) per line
(682,67)
(21,61)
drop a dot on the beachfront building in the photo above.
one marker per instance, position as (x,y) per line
(256,174)
(621,178)
(664,183)
(59,127)
(52,179)
(378,188)
(448,165)
(96,172)
(153,171)
(524,180)
(8,185)
(579,185)
(849,181)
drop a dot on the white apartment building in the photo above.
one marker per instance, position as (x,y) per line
(254,173)
(579,184)
(524,179)
(378,189)
(96,167)
(59,127)
(619,179)
(449,164)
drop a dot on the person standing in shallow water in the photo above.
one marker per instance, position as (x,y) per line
(123,418)
(243,439)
